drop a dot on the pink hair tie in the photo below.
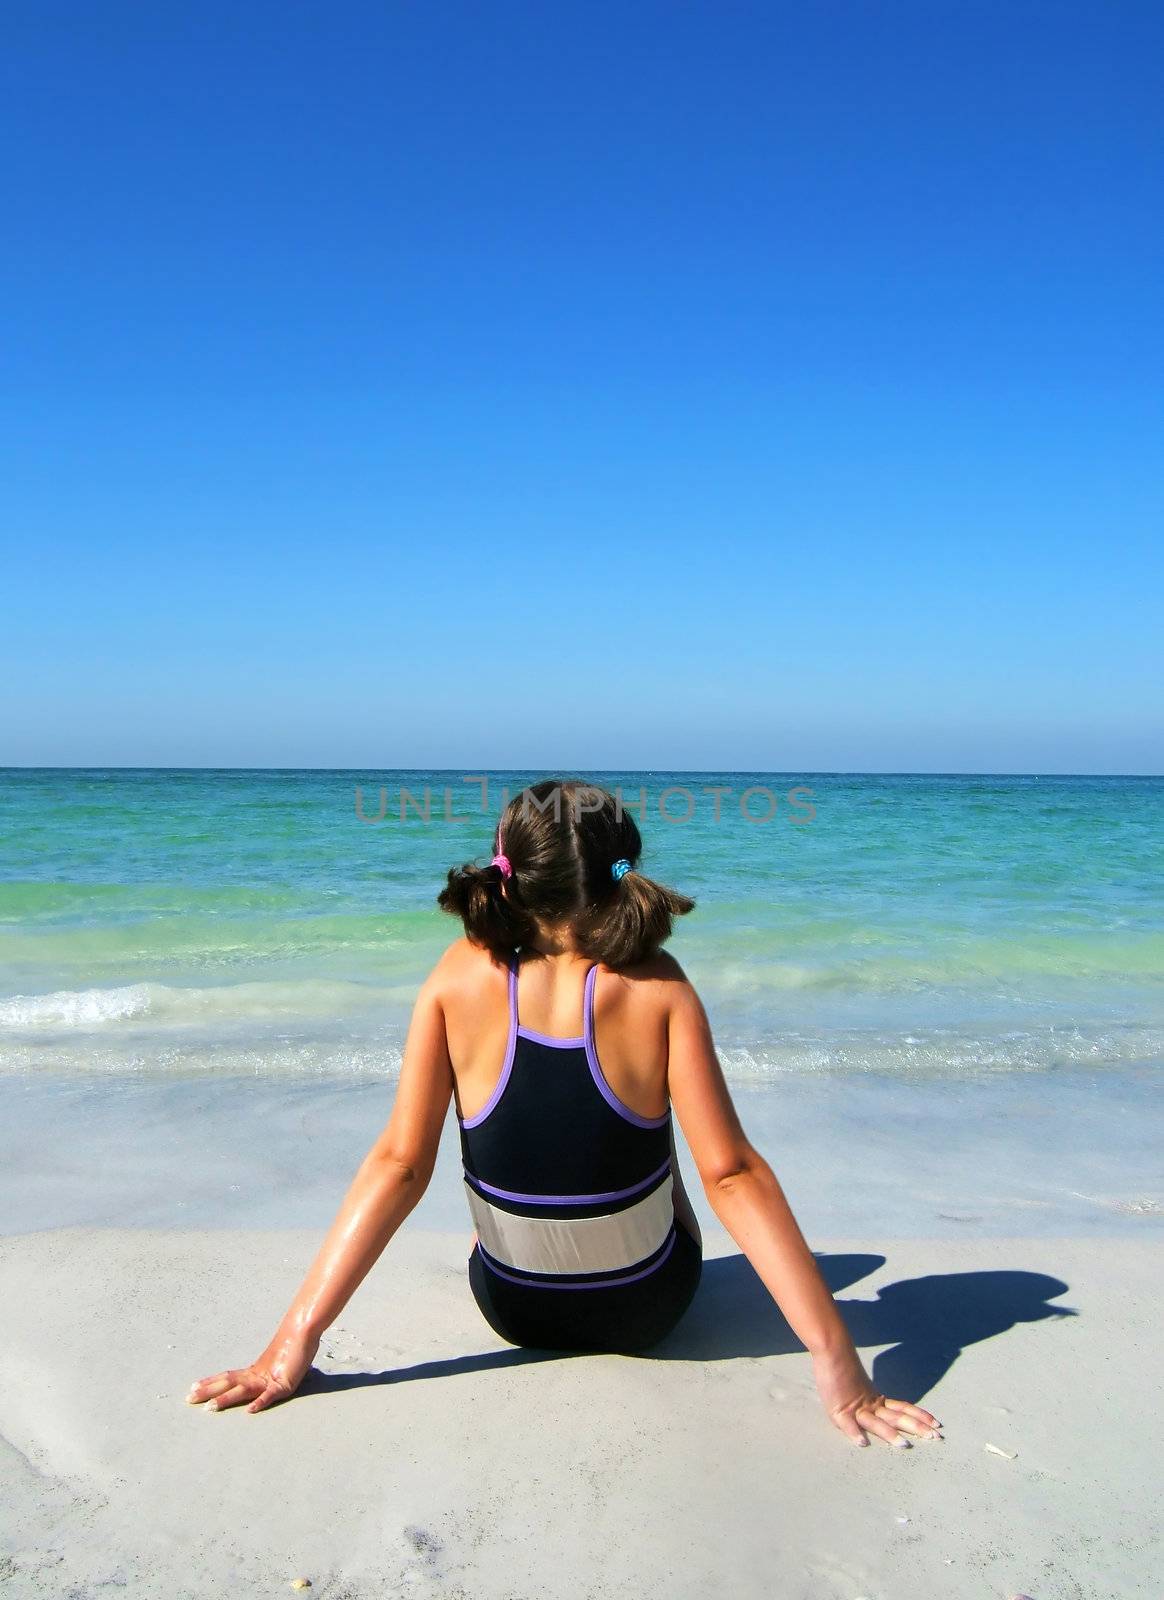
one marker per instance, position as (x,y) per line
(503,863)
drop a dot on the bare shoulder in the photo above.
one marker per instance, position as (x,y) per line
(464,973)
(658,983)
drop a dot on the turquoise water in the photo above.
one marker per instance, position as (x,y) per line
(194,922)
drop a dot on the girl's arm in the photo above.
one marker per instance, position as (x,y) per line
(390,1180)
(747,1198)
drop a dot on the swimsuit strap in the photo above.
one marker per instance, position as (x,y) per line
(595,1065)
(588,1008)
(511,963)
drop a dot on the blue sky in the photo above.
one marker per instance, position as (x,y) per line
(650,385)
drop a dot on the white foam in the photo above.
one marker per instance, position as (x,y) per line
(177,1006)
(74,1008)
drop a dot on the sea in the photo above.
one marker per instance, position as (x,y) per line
(193,923)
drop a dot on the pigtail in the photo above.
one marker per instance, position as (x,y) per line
(492,918)
(630,923)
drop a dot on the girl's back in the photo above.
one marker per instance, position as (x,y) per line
(629,1020)
(569,1160)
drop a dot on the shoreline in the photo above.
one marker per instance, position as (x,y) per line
(858,1155)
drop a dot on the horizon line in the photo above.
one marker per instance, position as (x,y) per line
(677,772)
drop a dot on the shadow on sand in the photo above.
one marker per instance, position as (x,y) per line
(928,1322)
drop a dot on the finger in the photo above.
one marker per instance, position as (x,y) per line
(913,1411)
(207,1388)
(233,1396)
(849,1426)
(197,1388)
(270,1396)
(872,1423)
(907,1424)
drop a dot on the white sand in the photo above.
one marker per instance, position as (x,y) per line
(430,1459)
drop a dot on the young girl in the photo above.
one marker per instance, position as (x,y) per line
(564,1038)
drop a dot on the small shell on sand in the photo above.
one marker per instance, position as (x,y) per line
(1007,1455)
(301,1583)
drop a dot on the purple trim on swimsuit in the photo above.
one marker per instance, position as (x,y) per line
(604,1283)
(507,1065)
(569,1199)
(596,1073)
(551,1039)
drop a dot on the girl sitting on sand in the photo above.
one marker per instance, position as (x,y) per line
(586,1239)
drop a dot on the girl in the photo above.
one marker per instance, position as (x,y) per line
(586,1239)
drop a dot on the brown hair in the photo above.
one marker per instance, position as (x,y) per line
(561,839)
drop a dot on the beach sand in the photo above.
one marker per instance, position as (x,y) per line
(424,1457)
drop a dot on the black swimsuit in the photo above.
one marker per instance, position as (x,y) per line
(578,1245)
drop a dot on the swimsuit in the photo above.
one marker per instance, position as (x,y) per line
(578,1245)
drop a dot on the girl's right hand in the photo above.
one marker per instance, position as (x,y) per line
(273,1377)
(856,1407)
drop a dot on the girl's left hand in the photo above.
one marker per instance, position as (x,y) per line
(856,1407)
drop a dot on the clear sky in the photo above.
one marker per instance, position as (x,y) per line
(688,385)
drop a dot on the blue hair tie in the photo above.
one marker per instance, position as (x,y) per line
(620,870)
